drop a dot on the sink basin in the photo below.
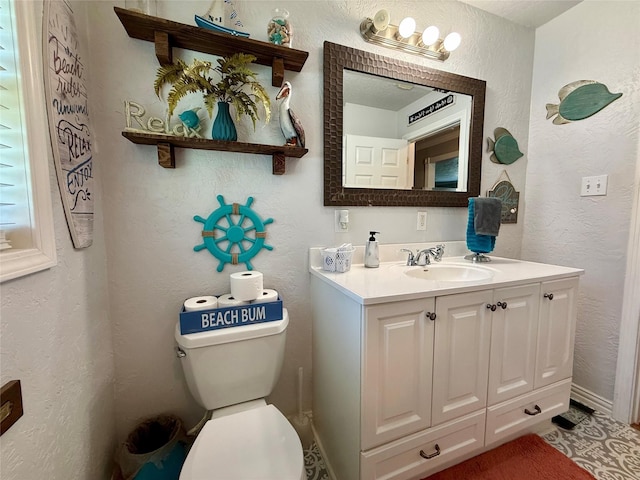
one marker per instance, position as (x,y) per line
(450,273)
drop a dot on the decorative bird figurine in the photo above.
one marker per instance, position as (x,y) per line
(289,122)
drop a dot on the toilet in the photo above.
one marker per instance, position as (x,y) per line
(230,371)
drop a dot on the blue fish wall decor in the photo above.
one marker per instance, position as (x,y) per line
(580,100)
(505,148)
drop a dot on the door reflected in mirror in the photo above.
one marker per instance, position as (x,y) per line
(400,135)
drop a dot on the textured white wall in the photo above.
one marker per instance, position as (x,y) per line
(148,218)
(56,325)
(560,226)
(56,338)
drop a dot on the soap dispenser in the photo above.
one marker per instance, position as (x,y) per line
(371,256)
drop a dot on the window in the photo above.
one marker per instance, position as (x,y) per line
(27,244)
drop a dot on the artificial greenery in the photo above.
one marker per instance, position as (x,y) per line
(235,76)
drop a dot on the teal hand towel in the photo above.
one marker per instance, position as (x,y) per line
(477,243)
(487,215)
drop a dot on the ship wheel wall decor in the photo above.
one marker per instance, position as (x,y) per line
(233,233)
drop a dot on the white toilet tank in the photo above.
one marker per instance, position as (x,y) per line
(233,365)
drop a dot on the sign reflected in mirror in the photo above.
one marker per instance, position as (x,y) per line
(404,136)
(399,134)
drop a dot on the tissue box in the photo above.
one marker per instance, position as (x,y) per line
(227,317)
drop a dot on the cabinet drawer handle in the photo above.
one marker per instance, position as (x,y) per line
(537,411)
(548,295)
(431,315)
(502,304)
(491,307)
(431,455)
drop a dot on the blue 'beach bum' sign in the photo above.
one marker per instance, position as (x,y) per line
(205,320)
(433,108)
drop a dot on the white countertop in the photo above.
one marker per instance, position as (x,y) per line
(388,282)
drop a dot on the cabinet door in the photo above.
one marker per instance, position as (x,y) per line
(461,355)
(558,304)
(514,333)
(397,369)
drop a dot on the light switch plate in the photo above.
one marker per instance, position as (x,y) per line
(596,185)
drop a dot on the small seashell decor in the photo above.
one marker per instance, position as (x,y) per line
(279,29)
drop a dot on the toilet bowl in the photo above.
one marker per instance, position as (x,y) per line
(258,443)
(230,372)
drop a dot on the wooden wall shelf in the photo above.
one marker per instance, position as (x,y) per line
(167,34)
(167,143)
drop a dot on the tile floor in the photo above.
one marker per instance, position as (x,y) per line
(314,464)
(610,450)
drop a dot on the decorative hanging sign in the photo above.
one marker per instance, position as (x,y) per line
(504,190)
(68,113)
(433,108)
(580,100)
(233,233)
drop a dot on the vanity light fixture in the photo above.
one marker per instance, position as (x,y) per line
(404,36)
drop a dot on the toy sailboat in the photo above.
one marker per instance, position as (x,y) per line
(219,14)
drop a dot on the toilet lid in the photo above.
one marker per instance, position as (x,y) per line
(254,444)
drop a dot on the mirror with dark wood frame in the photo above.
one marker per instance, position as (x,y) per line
(340,62)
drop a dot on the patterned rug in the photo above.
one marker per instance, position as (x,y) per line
(526,458)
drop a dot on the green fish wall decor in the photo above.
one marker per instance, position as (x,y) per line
(505,147)
(579,100)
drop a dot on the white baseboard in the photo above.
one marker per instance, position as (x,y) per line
(323,453)
(590,399)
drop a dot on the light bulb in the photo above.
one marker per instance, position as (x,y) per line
(452,41)
(407,27)
(430,35)
(381,20)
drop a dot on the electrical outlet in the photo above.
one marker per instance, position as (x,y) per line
(596,185)
(341,221)
(421,223)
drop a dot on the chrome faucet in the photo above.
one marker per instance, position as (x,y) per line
(423,257)
(410,258)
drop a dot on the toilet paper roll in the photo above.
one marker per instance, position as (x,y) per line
(247,285)
(228,300)
(200,303)
(268,295)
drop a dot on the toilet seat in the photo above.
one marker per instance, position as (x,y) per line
(256,444)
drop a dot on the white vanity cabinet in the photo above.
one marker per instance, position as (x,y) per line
(406,387)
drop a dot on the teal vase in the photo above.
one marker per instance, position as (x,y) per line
(223,127)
